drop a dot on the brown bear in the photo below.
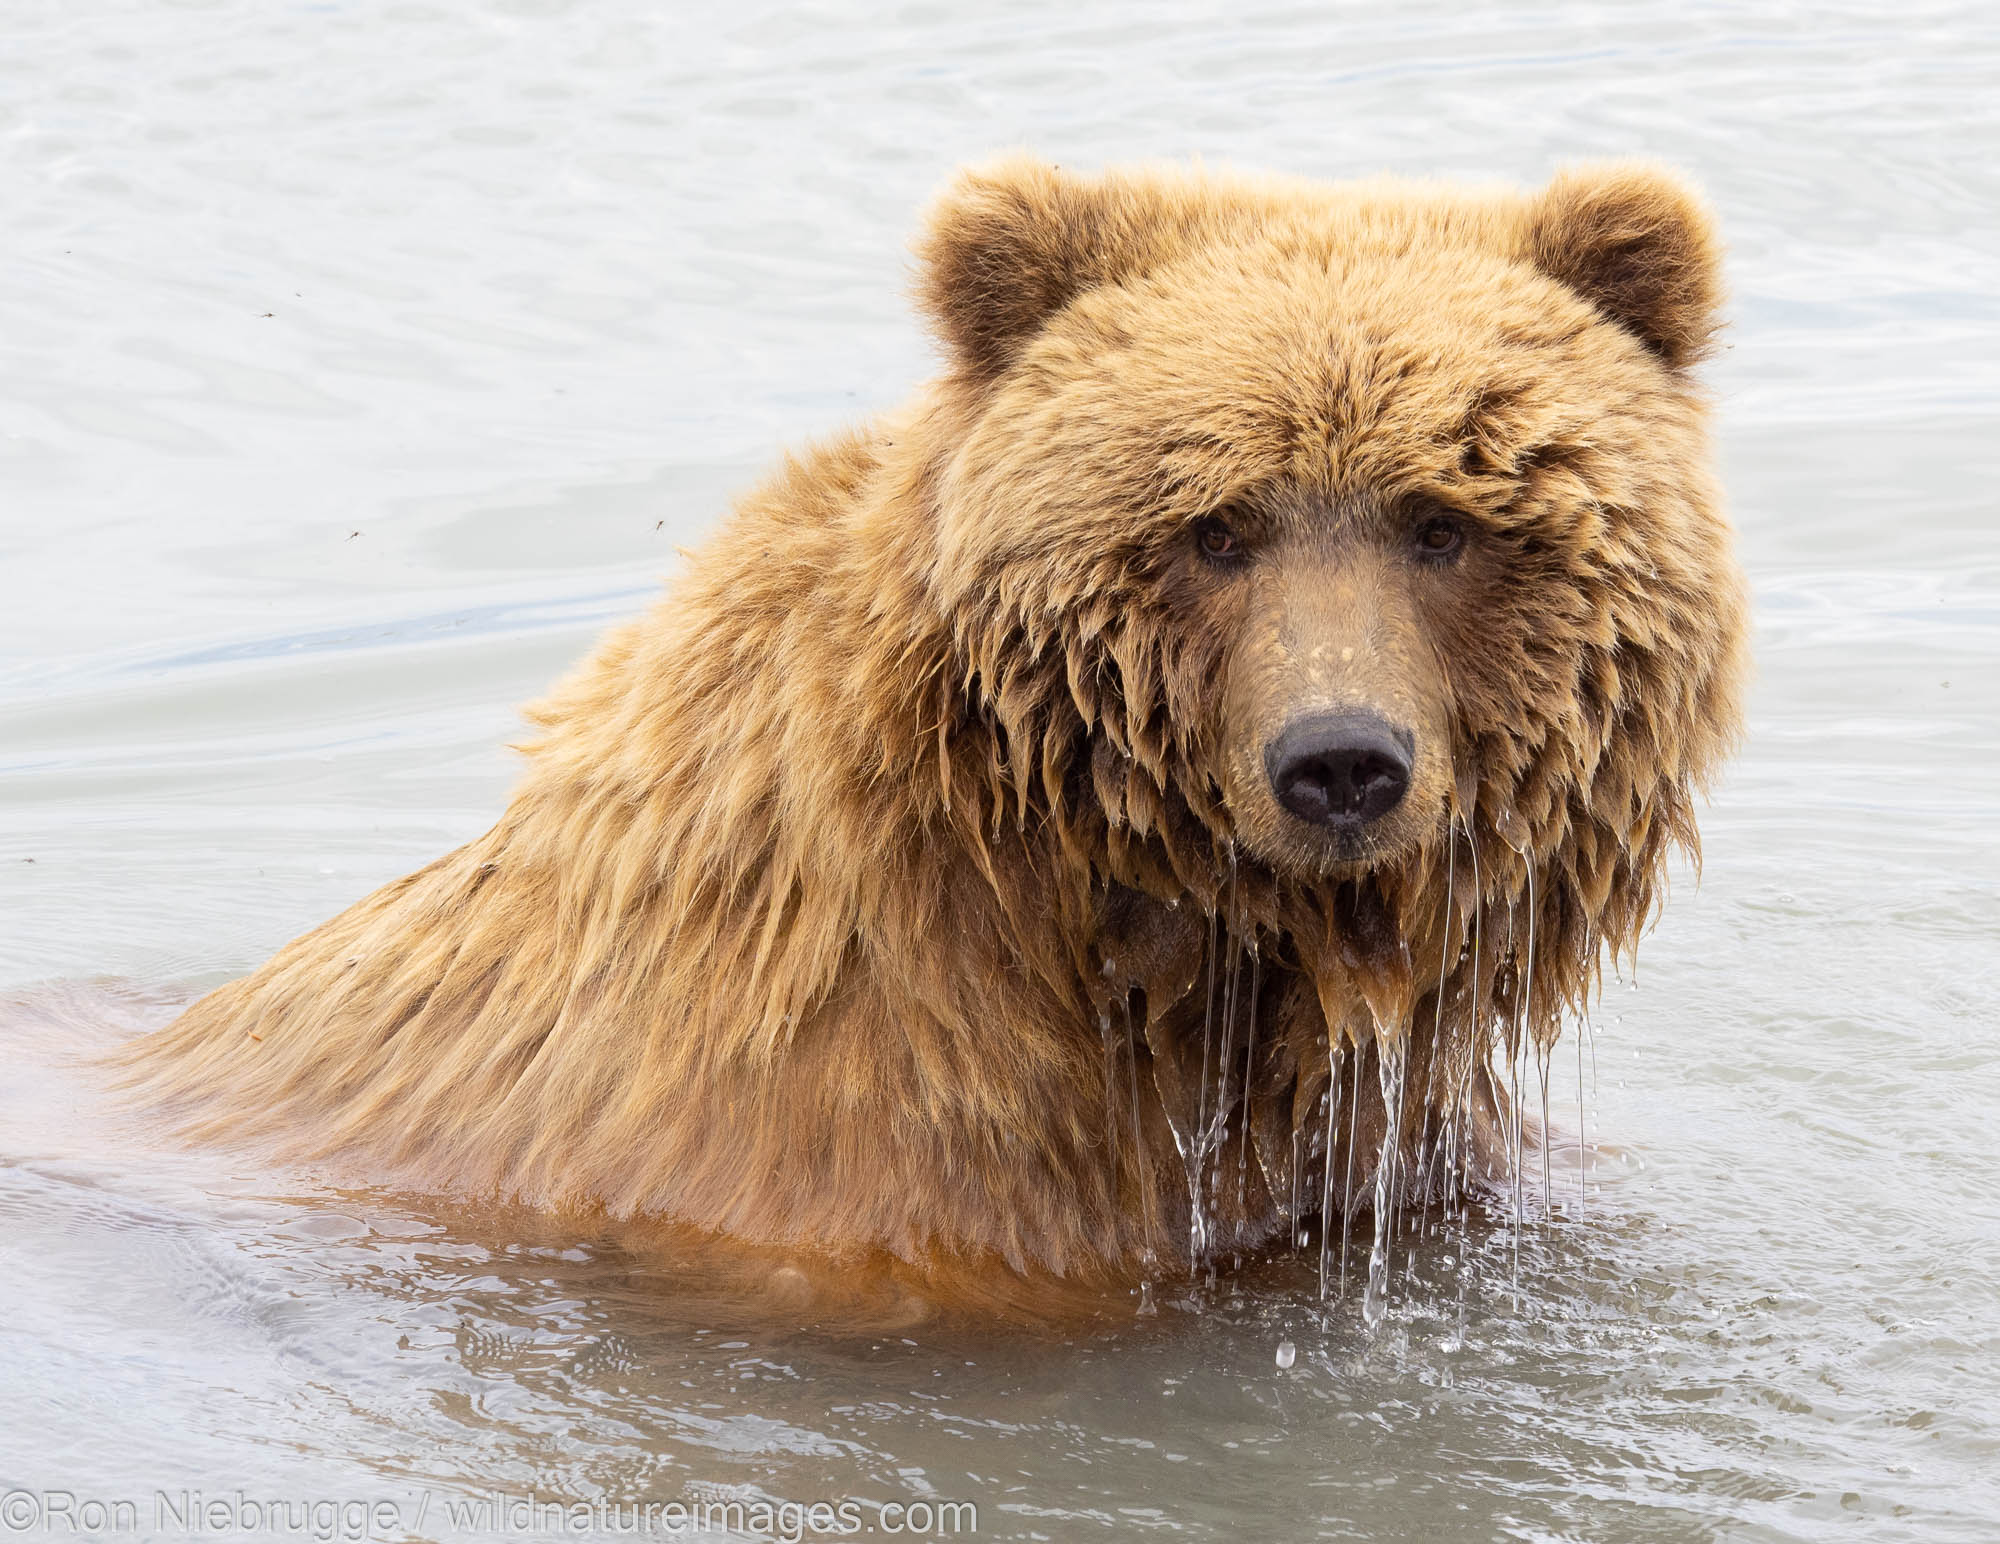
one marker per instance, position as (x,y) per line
(1111,814)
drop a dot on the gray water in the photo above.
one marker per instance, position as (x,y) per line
(362,362)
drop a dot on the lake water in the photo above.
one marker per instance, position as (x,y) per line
(363,361)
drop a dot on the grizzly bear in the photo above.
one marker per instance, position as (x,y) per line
(1116,814)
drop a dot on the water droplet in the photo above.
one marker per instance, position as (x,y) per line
(1287,1354)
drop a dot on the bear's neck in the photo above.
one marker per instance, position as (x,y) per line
(765,759)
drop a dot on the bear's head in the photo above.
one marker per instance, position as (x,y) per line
(1323,522)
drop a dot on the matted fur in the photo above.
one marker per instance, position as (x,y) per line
(902,885)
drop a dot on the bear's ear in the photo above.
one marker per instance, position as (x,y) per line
(1009,245)
(1637,242)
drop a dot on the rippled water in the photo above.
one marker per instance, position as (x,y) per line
(362,361)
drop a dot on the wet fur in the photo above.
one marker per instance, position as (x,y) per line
(849,892)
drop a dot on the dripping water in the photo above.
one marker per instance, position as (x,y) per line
(1392,1128)
(1516,1033)
(1437,1034)
(1542,1059)
(1110,1073)
(1460,1126)
(1527,1023)
(1249,1071)
(1391,1062)
(1582,1169)
(1353,1141)
(1190,1144)
(1149,1263)
(1292,1215)
(1212,1136)
(1335,1082)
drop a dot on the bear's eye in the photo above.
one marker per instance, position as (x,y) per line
(1440,537)
(1216,540)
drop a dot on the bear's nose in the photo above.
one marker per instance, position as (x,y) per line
(1340,769)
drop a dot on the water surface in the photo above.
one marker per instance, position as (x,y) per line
(362,362)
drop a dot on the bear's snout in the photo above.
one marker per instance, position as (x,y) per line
(1341,770)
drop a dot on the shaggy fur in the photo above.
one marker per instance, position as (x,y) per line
(906,885)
